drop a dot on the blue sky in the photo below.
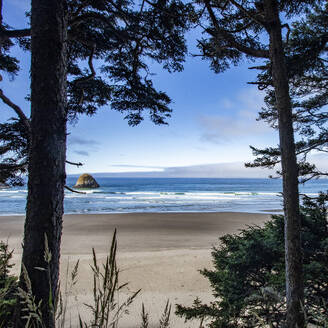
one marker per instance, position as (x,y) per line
(212,124)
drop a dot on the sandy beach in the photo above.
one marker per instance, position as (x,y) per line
(159,253)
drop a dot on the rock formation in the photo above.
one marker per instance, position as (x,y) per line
(86,181)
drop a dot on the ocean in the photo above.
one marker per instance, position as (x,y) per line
(127,195)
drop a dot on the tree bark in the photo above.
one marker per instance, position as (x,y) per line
(46,170)
(293,248)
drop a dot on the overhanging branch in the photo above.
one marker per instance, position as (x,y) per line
(15,33)
(73,163)
(75,191)
(258,53)
(260,67)
(247,13)
(90,76)
(261,85)
(17,110)
(7,166)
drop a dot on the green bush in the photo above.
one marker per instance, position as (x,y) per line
(8,287)
(248,279)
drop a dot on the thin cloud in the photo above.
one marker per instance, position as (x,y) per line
(81,152)
(73,140)
(116,168)
(235,118)
(137,166)
(220,170)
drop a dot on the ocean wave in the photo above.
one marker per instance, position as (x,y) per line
(176,196)
(131,196)
(141,192)
(8,191)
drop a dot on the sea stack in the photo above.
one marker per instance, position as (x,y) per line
(86,181)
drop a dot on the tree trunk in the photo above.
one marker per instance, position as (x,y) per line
(293,248)
(46,170)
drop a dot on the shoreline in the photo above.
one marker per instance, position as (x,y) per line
(264,211)
(138,231)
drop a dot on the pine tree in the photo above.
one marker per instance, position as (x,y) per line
(306,57)
(67,37)
(235,29)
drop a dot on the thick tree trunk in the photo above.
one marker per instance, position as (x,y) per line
(293,249)
(46,169)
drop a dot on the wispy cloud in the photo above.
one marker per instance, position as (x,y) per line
(136,166)
(81,152)
(74,140)
(236,118)
(220,170)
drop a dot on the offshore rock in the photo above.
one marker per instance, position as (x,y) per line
(86,181)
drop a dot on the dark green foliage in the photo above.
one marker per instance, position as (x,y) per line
(13,151)
(110,44)
(248,279)
(8,287)
(119,36)
(8,64)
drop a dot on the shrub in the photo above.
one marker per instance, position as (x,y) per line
(248,279)
(8,287)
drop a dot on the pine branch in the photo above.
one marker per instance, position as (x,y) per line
(5,166)
(92,70)
(313,175)
(89,15)
(79,9)
(261,85)
(258,53)
(260,67)
(73,163)
(242,28)
(4,149)
(247,13)
(90,76)
(73,37)
(75,191)
(17,110)
(156,6)
(15,33)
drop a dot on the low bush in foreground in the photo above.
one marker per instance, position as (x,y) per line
(8,287)
(248,279)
